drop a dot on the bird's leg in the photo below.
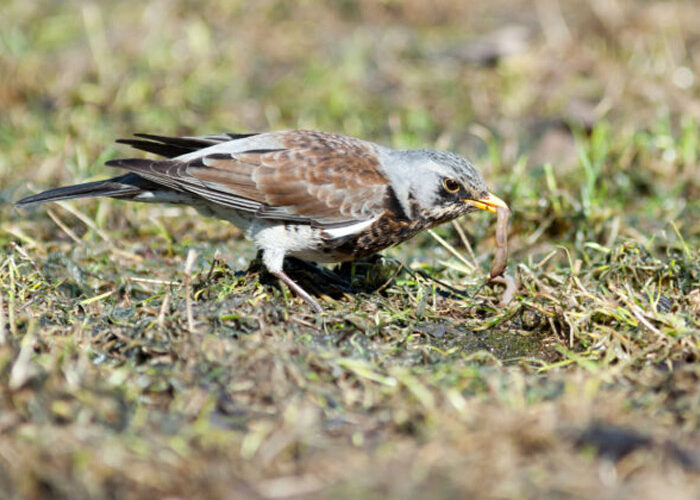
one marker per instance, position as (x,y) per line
(293,286)
(273,258)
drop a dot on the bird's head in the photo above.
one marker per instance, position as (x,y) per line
(440,184)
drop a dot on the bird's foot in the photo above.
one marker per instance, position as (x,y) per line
(293,286)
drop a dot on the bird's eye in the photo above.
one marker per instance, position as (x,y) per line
(451,185)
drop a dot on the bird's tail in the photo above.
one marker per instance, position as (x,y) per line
(124,186)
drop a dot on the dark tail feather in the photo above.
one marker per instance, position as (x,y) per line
(117,187)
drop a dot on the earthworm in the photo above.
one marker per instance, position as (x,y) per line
(512,284)
(501,255)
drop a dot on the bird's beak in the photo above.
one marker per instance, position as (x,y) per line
(491,202)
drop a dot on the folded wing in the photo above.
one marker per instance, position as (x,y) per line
(298,176)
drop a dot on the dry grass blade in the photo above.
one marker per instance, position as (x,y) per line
(3,330)
(189,263)
(452,250)
(63,226)
(465,241)
(85,219)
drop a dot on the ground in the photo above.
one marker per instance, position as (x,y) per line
(127,372)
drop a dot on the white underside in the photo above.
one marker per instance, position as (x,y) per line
(276,239)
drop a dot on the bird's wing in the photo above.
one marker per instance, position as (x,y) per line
(170,147)
(298,176)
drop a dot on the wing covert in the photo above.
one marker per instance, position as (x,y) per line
(315,177)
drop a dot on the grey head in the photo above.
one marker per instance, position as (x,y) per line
(437,183)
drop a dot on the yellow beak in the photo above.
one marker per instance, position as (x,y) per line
(490,203)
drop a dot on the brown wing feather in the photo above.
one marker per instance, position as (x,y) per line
(315,177)
(325,178)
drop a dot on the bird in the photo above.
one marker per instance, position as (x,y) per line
(317,196)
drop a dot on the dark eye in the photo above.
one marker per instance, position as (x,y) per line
(451,185)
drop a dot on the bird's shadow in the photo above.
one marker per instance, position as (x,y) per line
(371,275)
(368,275)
